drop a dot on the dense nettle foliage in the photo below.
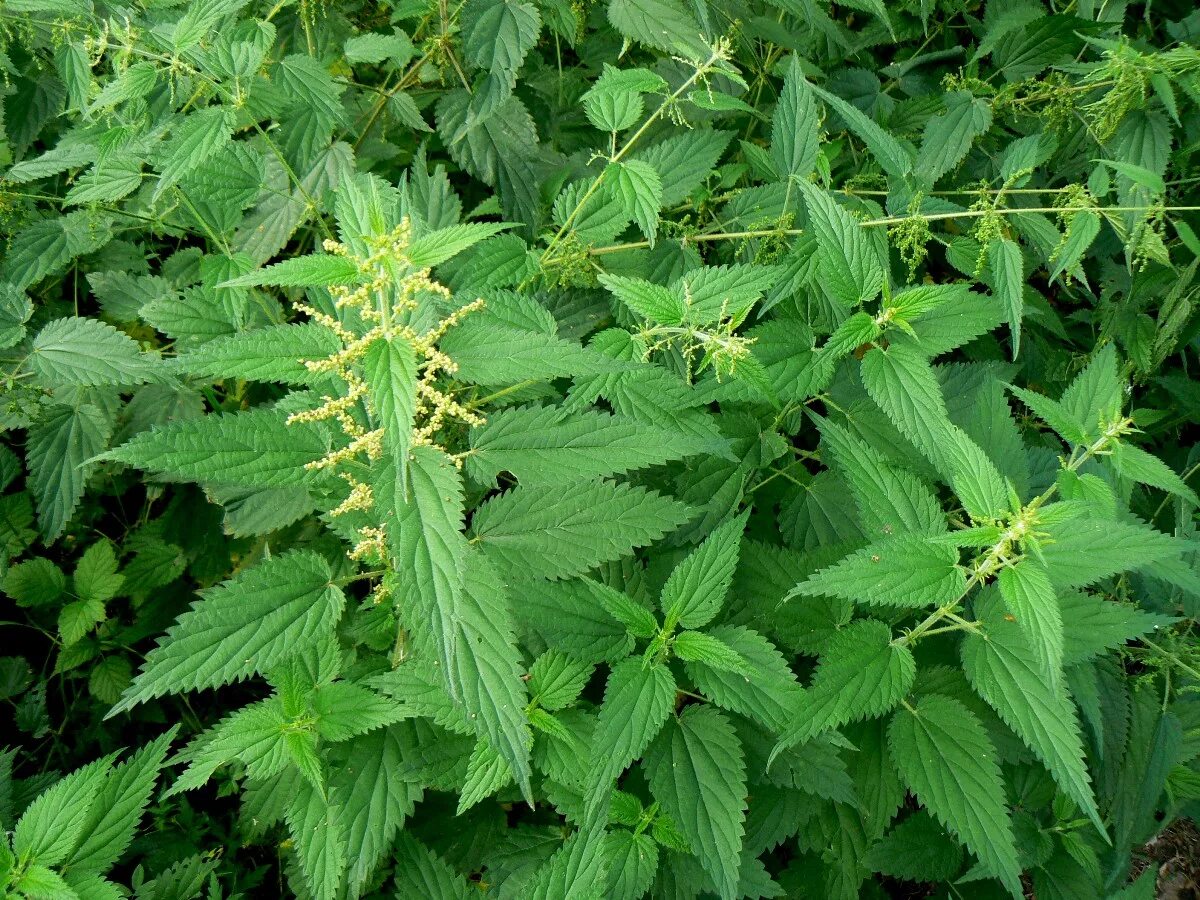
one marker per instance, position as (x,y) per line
(635,448)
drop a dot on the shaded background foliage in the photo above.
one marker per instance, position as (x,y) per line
(157,156)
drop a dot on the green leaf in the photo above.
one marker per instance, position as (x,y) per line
(918,849)
(373,800)
(899,571)
(498,33)
(1099,625)
(949,136)
(1030,597)
(1135,463)
(769,696)
(345,710)
(315,828)
(1004,669)
(847,262)
(632,864)
(77,619)
(420,873)
(462,616)
(556,680)
(302,271)
(35,582)
(661,24)
(944,757)
(641,190)
(390,366)
(60,449)
(646,299)
(95,578)
(274,353)
(255,448)
(487,773)
(713,293)
(697,587)
(683,161)
(52,825)
(86,353)
(1097,394)
(444,243)
(1053,414)
(119,806)
(638,699)
(490,352)
(546,533)
(1008,284)
(697,772)
(638,620)
(242,627)
(202,135)
(698,647)
(614,101)
(47,246)
(890,500)
(794,126)
(905,387)
(891,155)
(863,673)
(543,445)
(1081,551)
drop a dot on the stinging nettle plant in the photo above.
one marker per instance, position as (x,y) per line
(640,449)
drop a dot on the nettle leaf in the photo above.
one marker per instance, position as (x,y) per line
(863,673)
(696,588)
(545,444)
(1136,464)
(556,680)
(498,33)
(1098,625)
(256,448)
(794,126)
(899,571)
(52,825)
(61,448)
(544,533)
(661,24)
(637,701)
(890,500)
(945,758)
(302,271)
(1008,284)
(1030,597)
(463,619)
(893,157)
(847,262)
(201,136)
(1004,670)
(647,299)
(949,136)
(390,366)
(697,772)
(120,803)
(274,353)
(641,190)
(243,627)
(86,353)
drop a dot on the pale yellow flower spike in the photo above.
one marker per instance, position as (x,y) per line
(381,300)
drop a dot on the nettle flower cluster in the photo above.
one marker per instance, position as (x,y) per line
(384,302)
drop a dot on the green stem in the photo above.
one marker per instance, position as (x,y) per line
(893,220)
(700,72)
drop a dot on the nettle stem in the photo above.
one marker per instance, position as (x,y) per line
(894,220)
(999,555)
(718,54)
